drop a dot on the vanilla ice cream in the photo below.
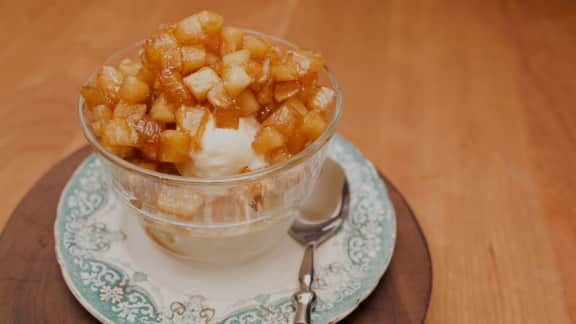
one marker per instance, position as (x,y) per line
(225,151)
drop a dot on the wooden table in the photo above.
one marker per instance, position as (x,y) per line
(468,106)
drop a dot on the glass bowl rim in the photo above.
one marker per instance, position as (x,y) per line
(296,159)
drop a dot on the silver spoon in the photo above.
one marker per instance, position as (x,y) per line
(321,220)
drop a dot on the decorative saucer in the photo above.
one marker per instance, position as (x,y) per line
(120,276)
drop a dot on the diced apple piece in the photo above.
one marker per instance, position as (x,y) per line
(144,53)
(162,110)
(193,58)
(193,120)
(189,30)
(277,156)
(121,151)
(174,146)
(174,89)
(285,90)
(284,119)
(276,55)
(284,71)
(309,87)
(254,69)
(235,79)
(109,80)
(267,139)
(93,96)
(134,90)
(143,163)
(266,94)
(296,143)
(322,99)
(265,74)
(148,130)
(297,105)
(211,22)
(307,62)
(201,81)
(240,57)
(231,40)
(98,127)
(171,58)
(179,202)
(119,133)
(218,96)
(258,47)
(130,112)
(101,112)
(147,165)
(129,67)
(226,117)
(146,75)
(313,125)
(150,152)
(247,103)
(161,51)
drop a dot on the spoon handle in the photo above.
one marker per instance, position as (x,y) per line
(305,297)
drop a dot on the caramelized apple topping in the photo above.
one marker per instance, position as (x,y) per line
(153,110)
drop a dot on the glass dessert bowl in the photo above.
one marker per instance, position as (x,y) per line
(226,190)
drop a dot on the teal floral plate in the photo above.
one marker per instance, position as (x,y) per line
(119,276)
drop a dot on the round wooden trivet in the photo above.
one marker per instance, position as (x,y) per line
(32,289)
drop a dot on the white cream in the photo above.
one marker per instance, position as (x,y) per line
(224,151)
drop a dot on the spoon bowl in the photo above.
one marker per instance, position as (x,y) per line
(321,218)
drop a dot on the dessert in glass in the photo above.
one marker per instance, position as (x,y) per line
(211,136)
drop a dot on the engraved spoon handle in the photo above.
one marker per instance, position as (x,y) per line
(305,297)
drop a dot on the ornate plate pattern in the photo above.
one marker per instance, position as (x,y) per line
(101,276)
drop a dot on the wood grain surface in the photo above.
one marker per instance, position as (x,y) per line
(33,291)
(469,106)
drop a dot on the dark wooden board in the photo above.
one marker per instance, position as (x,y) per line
(32,289)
